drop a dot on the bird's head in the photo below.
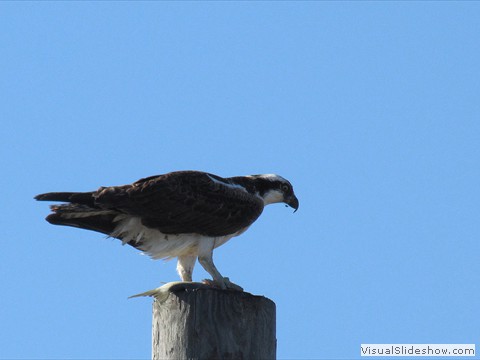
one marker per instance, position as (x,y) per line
(275,189)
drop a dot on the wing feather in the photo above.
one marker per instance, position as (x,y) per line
(185,202)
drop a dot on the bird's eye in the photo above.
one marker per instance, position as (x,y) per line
(285,188)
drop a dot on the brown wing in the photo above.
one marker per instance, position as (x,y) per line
(184,202)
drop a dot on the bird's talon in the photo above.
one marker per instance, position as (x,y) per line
(224,285)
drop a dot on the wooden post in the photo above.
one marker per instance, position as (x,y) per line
(195,321)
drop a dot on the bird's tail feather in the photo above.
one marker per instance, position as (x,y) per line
(81,212)
(84,198)
(84,217)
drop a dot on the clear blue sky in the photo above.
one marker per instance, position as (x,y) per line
(370,109)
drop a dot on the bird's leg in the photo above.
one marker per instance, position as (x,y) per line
(185,266)
(205,258)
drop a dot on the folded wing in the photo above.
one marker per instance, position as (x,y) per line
(184,202)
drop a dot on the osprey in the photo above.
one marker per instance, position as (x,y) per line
(183,214)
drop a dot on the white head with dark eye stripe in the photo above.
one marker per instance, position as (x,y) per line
(275,189)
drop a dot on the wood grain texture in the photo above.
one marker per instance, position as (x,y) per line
(208,323)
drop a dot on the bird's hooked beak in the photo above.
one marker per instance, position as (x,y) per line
(293,202)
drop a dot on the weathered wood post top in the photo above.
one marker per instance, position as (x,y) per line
(197,321)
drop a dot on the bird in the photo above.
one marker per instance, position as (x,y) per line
(181,214)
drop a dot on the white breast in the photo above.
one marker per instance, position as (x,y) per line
(159,245)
